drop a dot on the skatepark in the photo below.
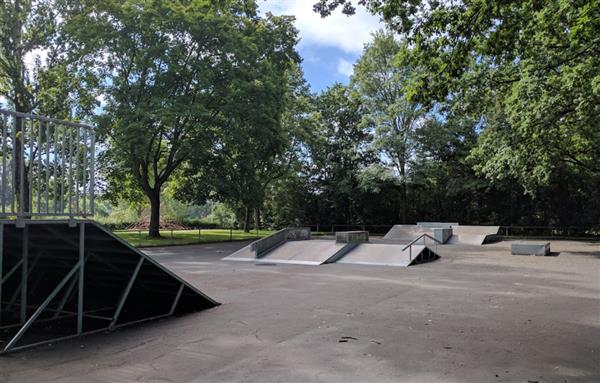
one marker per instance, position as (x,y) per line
(476,314)
(431,301)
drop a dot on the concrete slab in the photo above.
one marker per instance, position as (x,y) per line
(382,255)
(310,252)
(530,248)
(476,315)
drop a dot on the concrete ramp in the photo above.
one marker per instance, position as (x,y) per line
(388,255)
(310,252)
(472,235)
(244,254)
(406,233)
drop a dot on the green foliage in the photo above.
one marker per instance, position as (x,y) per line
(530,69)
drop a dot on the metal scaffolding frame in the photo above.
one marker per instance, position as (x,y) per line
(54,267)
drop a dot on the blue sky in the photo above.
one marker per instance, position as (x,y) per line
(329,47)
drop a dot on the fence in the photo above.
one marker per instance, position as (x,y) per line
(47,167)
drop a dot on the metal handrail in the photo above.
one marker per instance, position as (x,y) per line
(419,237)
(47,167)
(409,246)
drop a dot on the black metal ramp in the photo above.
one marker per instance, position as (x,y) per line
(61,279)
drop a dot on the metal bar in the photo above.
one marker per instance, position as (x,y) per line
(39,168)
(62,171)
(92,171)
(1,264)
(31,162)
(66,296)
(42,118)
(174,305)
(126,292)
(70,191)
(77,172)
(77,149)
(14,169)
(47,167)
(55,169)
(24,273)
(4,155)
(84,172)
(21,155)
(11,272)
(81,277)
(41,308)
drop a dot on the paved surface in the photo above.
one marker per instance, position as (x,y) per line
(382,254)
(476,315)
(310,252)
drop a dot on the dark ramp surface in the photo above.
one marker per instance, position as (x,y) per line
(121,285)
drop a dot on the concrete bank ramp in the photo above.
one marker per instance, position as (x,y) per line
(310,252)
(388,255)
(406,233)
(472,235)
(243,254)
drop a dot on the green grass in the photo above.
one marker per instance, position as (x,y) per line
(188,237)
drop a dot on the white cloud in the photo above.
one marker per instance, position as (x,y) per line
(345,67)
(338,30)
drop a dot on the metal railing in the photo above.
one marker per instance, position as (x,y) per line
(423,236)
(46,167)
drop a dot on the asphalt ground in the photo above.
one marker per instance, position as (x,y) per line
(478,314)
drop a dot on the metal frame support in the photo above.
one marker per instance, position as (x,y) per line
(24,273)
(41,308)
(1,264)
(176,299)
(81,278)
(126,293)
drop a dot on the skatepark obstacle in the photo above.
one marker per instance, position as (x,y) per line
(62,275)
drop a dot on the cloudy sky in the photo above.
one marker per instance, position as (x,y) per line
(329,47)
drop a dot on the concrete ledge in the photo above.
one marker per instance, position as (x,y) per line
(530,248)
(431,225)
(298,233)
(442,234)
(351,236)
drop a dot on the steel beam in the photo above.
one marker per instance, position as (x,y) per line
(1,263)
(81,277)
(126,293)
(174,305)
(41,308)
(24,273)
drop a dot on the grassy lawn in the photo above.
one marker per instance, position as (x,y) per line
(187,237)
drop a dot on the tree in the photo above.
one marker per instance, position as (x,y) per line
(531,69)
(37,73)
(254,146)
(168,69)
(338,152)
(382,78)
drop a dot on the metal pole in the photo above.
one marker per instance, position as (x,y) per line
(174,305)
(81,277)
(1,264)
(24,273)
(40,309)
(126,293)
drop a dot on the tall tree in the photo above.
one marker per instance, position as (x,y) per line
(531,68)
(382,78)
(169,69)
(254,145)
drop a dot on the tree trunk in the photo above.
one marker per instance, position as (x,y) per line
(257,219)
(404,193)
(154,228)
(247,220)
